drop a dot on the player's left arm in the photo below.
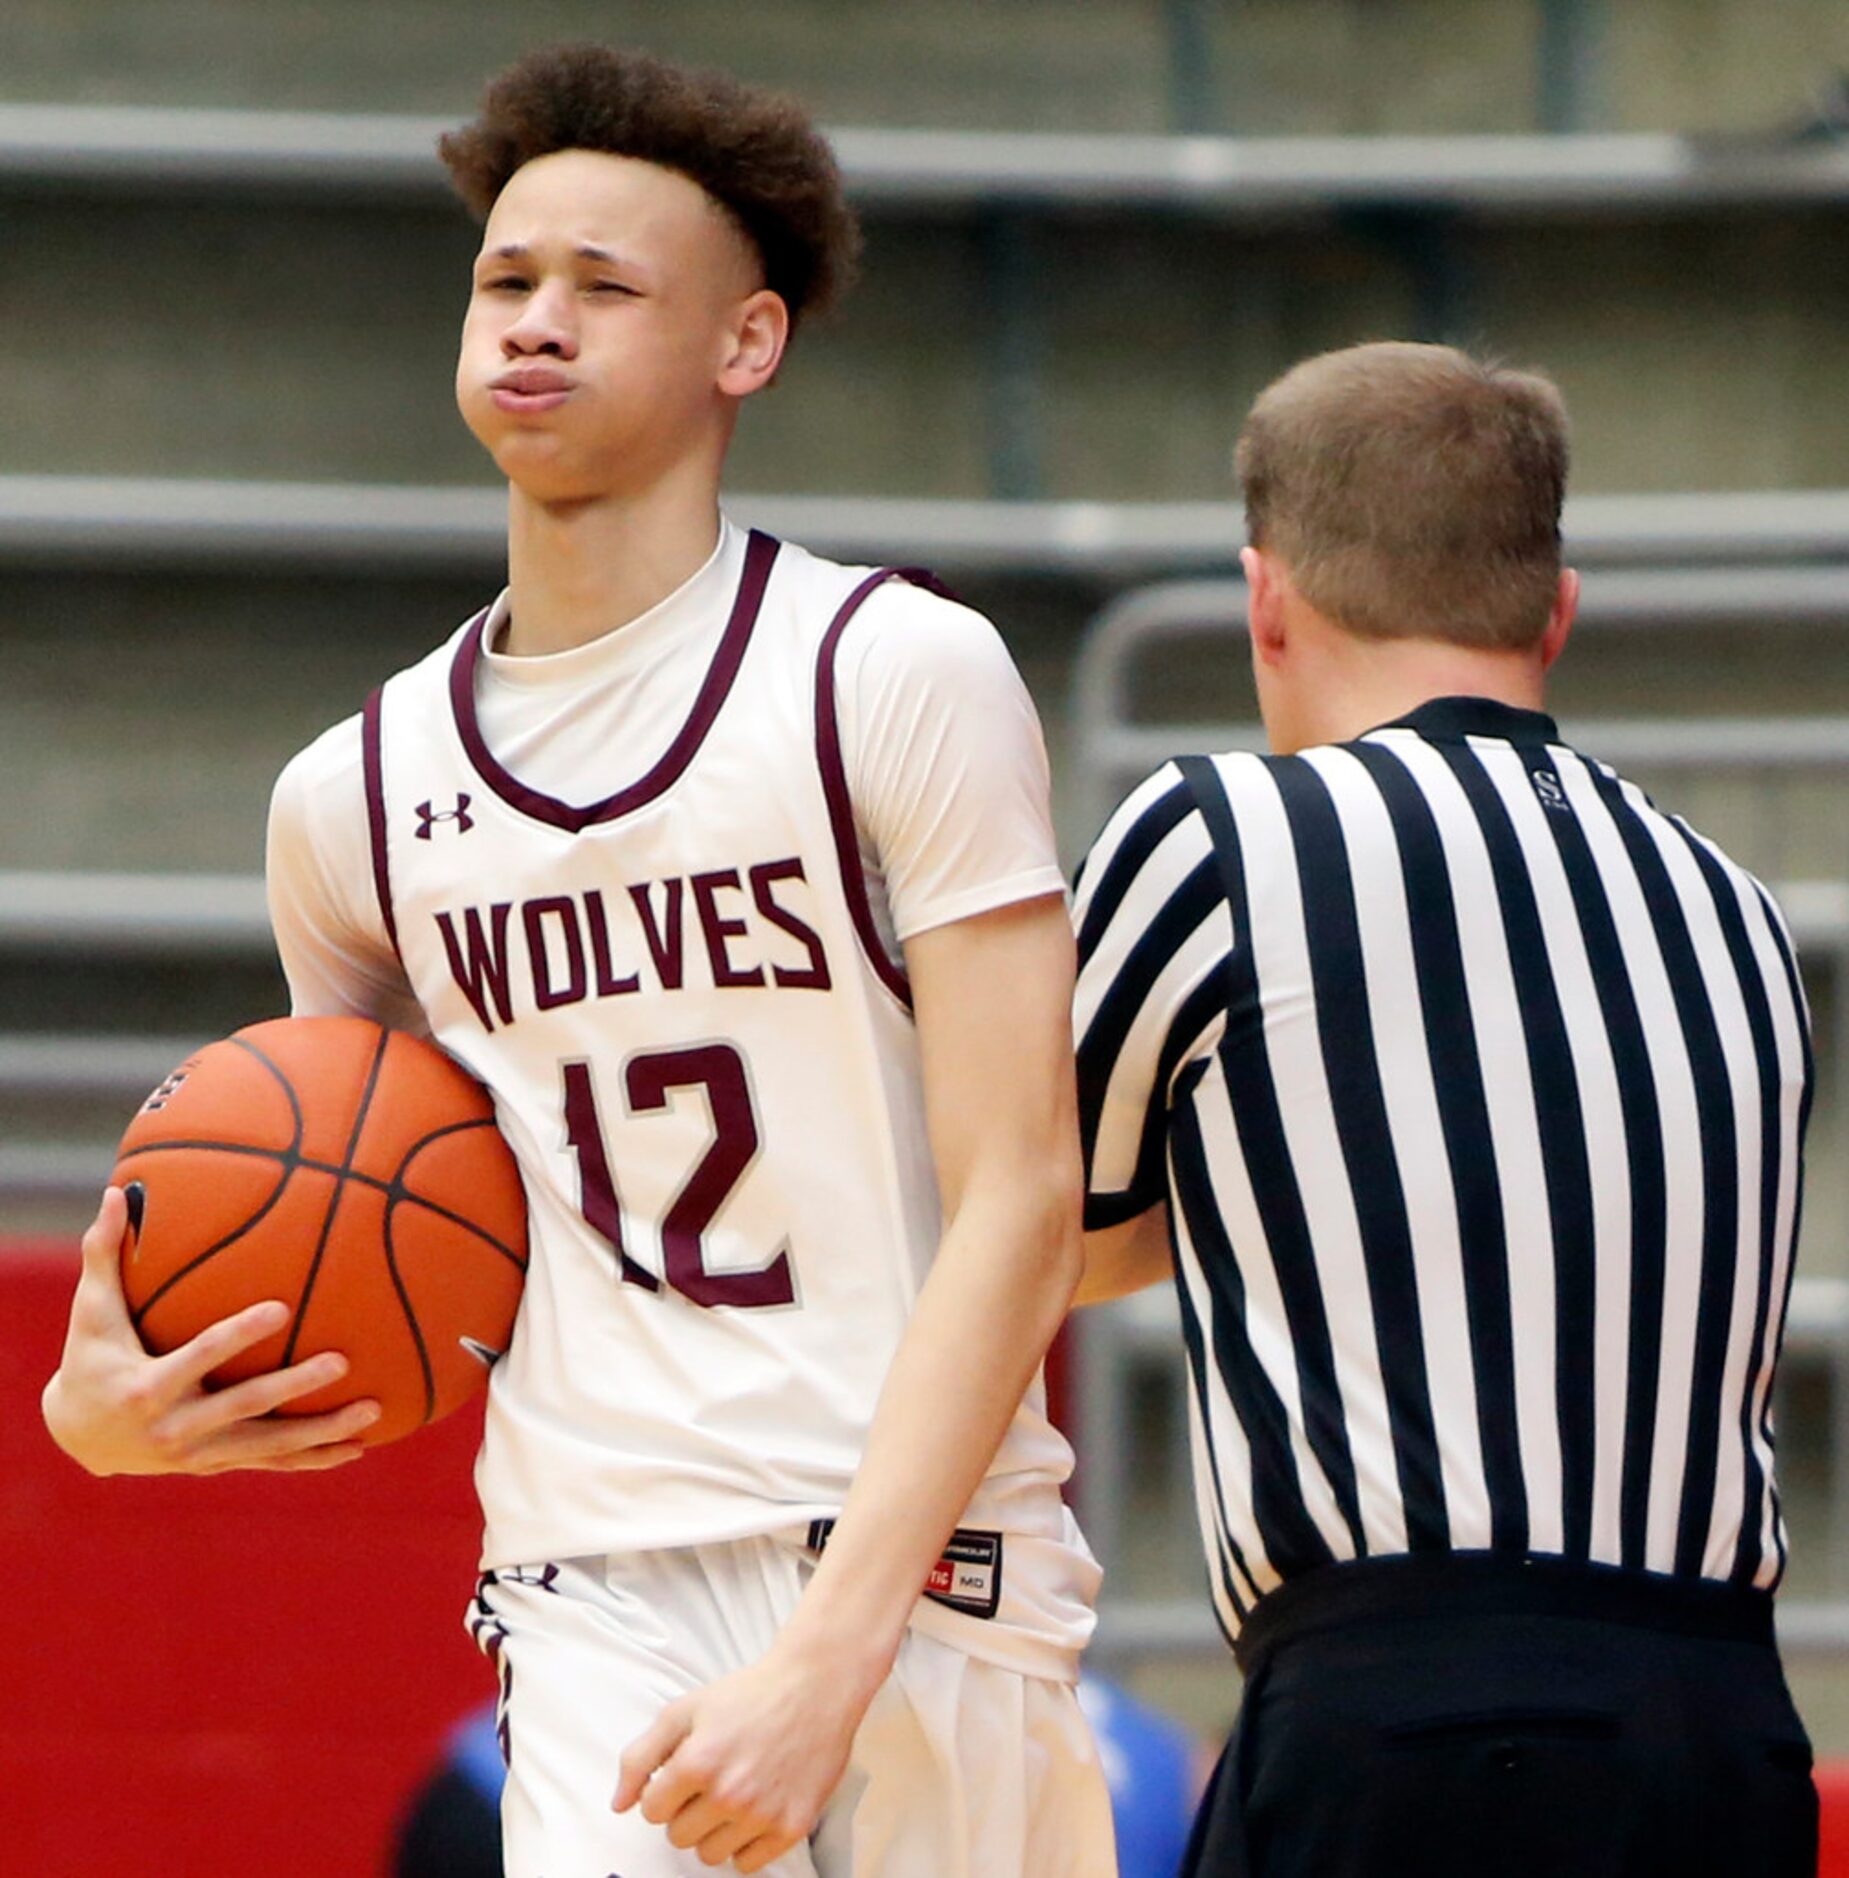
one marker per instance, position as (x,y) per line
(992,996)
(746,1764)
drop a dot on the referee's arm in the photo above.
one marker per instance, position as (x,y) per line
(1126,1258)
(1152,936)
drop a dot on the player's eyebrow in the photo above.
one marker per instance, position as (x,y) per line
(519,251)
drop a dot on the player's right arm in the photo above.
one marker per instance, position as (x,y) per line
(323,901)
(113,1407)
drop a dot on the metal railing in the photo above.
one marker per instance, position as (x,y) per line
(1114,748)
(1729,554)
(372,155)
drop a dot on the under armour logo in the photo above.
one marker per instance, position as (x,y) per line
(428,817)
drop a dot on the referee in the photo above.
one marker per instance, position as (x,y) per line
(1463,1091)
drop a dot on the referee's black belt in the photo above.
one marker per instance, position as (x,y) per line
(1487,1584)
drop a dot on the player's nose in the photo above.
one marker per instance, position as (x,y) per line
(544,328)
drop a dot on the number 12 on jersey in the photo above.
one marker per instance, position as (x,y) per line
(648,1082)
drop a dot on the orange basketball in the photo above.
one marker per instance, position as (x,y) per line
(356,1173)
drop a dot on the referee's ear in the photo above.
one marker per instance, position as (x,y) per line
(1264,604)
(1560,618)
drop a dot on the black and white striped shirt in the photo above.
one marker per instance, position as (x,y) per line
(1478,1086)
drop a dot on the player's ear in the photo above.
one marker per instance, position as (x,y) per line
(756,337)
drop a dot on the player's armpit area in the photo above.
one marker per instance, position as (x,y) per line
(1126,1258)
(323,900)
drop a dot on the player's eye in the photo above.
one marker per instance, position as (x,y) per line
(612,287)
(504,283)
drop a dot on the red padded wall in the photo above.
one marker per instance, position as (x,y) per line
(212,1678)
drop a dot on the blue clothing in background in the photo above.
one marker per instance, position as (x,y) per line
(1149,1764)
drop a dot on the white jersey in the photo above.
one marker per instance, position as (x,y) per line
(650,892)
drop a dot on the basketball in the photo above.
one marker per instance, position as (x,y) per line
(354,1172)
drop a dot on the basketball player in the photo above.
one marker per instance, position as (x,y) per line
(729,870)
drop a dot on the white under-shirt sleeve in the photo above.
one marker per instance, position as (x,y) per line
(945,761)
(324,909)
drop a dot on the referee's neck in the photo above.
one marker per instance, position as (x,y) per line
(1320,683)
(1392,682)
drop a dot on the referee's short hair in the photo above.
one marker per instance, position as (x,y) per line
(1412,491)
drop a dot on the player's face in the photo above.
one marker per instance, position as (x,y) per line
(613,303)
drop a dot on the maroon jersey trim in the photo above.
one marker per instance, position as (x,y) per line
(374,771)
(835,789)
(760,553)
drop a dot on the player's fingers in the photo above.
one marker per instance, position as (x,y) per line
(698,1819)
(99,1291)
(725,1842)
(644,1759)
(759,1852)
(670,1787)
(102,1244)
(189,1365)
(314,1460)
(258,1395)
(263,1443)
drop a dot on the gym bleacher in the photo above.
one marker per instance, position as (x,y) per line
(234,492)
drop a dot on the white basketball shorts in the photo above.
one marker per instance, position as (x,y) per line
(961,1768)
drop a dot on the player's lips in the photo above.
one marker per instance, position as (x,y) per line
(531,388)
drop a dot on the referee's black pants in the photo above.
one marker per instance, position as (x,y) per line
(1470,1717)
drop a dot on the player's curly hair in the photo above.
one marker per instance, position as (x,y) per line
(756,153)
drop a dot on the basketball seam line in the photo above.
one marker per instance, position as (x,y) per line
(410,1317)
(333,1205)
(393,1200)
(393,1189)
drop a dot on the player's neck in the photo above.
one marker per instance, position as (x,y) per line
(578,571)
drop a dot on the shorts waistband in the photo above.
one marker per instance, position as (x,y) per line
(1483,1584)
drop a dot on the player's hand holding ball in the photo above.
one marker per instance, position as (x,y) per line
(117,1410)
(315,1241)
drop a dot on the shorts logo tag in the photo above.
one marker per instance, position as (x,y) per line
(967,1576)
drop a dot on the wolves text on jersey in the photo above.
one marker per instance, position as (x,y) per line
(564,948)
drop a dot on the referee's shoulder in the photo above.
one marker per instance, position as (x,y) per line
(1167,805)
(1749,887)
(1155,844)
(1159,804)
(1744,886)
